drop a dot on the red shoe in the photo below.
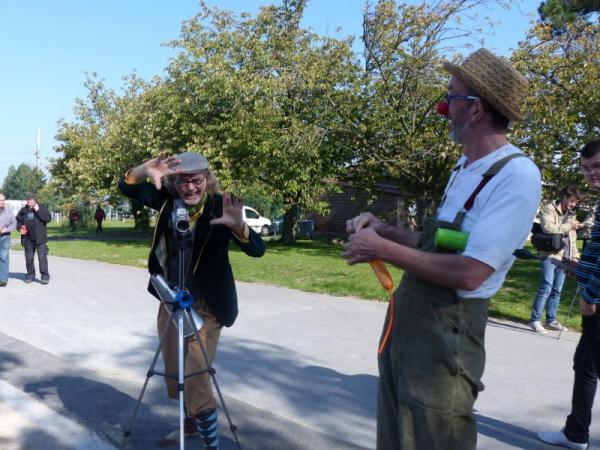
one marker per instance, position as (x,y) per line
(190,431)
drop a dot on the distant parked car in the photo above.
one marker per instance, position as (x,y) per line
(258,223)
(304,228)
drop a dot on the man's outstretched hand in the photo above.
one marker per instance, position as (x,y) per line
(159,167)
(232,213)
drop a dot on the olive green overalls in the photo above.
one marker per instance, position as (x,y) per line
(432,363)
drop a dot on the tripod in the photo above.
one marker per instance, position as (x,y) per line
(188,323)
(179,302)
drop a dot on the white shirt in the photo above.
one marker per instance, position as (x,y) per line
(501,217)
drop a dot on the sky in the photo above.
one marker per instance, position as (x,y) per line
(46,47)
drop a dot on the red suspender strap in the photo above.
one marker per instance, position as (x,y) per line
(493,170)
(471,200)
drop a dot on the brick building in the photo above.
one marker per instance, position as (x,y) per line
(388,204)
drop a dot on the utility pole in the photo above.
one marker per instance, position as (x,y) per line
(37,150)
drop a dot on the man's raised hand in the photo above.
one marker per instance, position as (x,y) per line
(233,216)
(159,167)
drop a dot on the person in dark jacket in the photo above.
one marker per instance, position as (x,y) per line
(73,219)
(215,220)
(99,216)
(31,222)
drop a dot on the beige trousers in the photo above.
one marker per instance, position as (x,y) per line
(198,392)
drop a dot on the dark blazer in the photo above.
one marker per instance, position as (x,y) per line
(211,276)
(41,218)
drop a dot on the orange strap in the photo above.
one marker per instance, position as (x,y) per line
(388,330)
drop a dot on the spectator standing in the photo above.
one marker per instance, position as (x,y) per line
(73,219)
(7,224)
(99,216)
(586,362)
(31,221)
(556,218)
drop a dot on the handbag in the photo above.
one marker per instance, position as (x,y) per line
(546,242)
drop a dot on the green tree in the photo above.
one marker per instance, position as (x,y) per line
(100,144)
(23,180)
(558,13)
(262,98)
(563,104)
(401,135)
(267,102)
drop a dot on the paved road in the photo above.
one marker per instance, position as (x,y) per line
(298,370)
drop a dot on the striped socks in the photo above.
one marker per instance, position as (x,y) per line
(208,426)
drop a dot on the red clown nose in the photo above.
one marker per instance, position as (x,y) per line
(442,108)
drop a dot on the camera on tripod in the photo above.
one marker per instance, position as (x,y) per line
(180,220)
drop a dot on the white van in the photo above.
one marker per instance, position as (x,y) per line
(258,223)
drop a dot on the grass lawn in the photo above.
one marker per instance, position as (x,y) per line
(314,266)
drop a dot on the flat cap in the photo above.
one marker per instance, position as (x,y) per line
(190,163)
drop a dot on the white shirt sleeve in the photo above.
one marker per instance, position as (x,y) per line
(506,216)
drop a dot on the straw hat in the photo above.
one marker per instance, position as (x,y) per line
(494,79)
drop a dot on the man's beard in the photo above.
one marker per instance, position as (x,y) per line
(457,133)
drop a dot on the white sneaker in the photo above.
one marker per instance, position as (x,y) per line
(559,438)
(556,326)
(537,326)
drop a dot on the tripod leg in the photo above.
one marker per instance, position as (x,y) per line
(149,374)
(211,371)
(180,378)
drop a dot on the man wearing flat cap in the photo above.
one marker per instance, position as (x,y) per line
(215,220)
(431,354)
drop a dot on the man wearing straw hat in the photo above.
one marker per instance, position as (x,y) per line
(431,354)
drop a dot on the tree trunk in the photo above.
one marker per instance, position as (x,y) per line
(402,214)
(424,205)
(141,216)
(290,216)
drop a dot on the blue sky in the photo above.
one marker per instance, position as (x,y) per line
(47,46)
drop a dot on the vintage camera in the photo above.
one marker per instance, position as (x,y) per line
(180,220)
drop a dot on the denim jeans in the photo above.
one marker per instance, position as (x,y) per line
(551,286)
(4,249)
(586,364)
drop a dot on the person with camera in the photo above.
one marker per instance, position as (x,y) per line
(189,196)
(31,222)
(586,361)
(555,218)
(431,353)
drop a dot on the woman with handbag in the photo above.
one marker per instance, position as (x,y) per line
(555,218)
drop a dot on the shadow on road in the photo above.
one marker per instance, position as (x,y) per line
(8,360)
(311,391)
(97,406)
(515,436)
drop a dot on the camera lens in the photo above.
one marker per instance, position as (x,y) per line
(182,226)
